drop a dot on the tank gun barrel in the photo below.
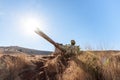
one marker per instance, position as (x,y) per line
(42,34)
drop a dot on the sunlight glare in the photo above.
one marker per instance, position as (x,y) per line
(29,25)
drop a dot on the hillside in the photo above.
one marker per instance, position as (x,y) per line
(87,65)
(17,49)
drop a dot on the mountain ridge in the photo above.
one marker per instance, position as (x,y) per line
(24,50)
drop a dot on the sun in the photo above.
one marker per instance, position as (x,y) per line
(29,24)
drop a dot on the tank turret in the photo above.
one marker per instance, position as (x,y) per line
(40,33)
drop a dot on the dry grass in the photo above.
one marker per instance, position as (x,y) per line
(104,65)
(87,65)
(12,65)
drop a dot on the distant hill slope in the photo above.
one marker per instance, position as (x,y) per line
(14,49)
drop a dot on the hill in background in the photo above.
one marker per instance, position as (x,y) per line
(16,49)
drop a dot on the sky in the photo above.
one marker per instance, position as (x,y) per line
(93,24)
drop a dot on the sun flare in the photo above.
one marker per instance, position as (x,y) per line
(29,24)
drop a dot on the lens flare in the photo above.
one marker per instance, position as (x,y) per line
(30,24)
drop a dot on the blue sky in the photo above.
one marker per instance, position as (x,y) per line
(92,23)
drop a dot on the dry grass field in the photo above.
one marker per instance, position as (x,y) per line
(87,65)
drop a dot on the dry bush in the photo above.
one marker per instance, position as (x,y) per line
(74,72)
(111,70)
(104,65)
(11,66)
